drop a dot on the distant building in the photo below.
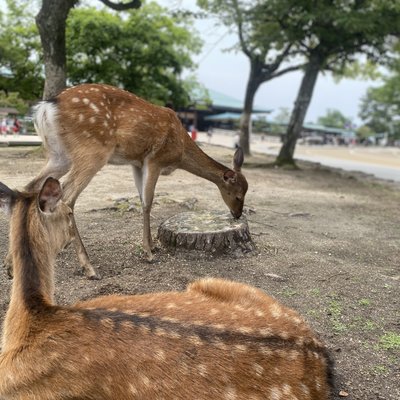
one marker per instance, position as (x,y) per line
(213,108)
(320,134)
(327,135)
(8,112)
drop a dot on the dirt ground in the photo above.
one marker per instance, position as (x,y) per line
(328,245)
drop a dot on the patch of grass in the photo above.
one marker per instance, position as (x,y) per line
(315,292)
(380,370)
(364,302)
(369,325)
(313,313)
(339,327)
(390,341)
(335,312)
(139,249)
(289,292)
(335,308)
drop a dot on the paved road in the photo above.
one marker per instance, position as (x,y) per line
(382,162)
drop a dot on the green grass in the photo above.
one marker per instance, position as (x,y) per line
(289,292)
(390,341)
(364,302)
(380,370)
(335,311)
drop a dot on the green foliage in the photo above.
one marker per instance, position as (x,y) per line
(259,36)
(334,119)
(14,100)
(144,51)
(20,52)
(380,107)
(338,30)
(364,132)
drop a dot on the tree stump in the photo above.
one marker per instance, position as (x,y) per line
(207,232)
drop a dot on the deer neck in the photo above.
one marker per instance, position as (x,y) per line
(33,283)
(197,162)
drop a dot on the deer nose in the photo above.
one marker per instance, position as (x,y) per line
(236,214)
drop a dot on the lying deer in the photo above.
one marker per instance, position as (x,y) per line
(216,340)
(87,126)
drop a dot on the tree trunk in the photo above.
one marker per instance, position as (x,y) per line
(207,232)
(301,104)
(245,121)
(51,22)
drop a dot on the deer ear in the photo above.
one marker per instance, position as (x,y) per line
(7,198)
(49,195)
(230,176)
(238,159)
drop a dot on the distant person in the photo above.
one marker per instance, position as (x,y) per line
(4,127)
(236,140)
(209,134)
(193,132)
(16,126)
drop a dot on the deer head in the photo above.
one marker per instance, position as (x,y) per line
(54,216)
(234,186)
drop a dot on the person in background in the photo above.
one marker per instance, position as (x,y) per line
(4,127)
(16,126)
(236,140)
(209,133)
(193,132)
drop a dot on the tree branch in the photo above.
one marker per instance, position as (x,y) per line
(288,69)
(240,29)
(122,6)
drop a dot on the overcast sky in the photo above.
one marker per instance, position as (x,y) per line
(228,73)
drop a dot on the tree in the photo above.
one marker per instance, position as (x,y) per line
(335,33)
(144,52)
(334,119)
(19,52)
(51,22)
(364,132)
(380,107)
(261,41)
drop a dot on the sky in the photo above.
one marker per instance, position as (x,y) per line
(227,72)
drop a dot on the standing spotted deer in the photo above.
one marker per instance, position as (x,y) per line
(217,340)
(89,125)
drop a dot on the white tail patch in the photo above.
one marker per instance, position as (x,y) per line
(45,118)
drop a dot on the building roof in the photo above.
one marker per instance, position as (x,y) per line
(228,116)
(8,111)
(329,129)
(223,101)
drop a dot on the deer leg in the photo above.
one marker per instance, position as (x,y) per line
(75,182)
(150,175)
(138,176)
(55,168)
(83,257)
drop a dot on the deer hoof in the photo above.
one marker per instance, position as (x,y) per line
(150,258)
(90,273)
(94,277)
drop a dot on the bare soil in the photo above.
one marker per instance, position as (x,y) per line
(328,245)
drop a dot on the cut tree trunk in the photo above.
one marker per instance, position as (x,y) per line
(205,232)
